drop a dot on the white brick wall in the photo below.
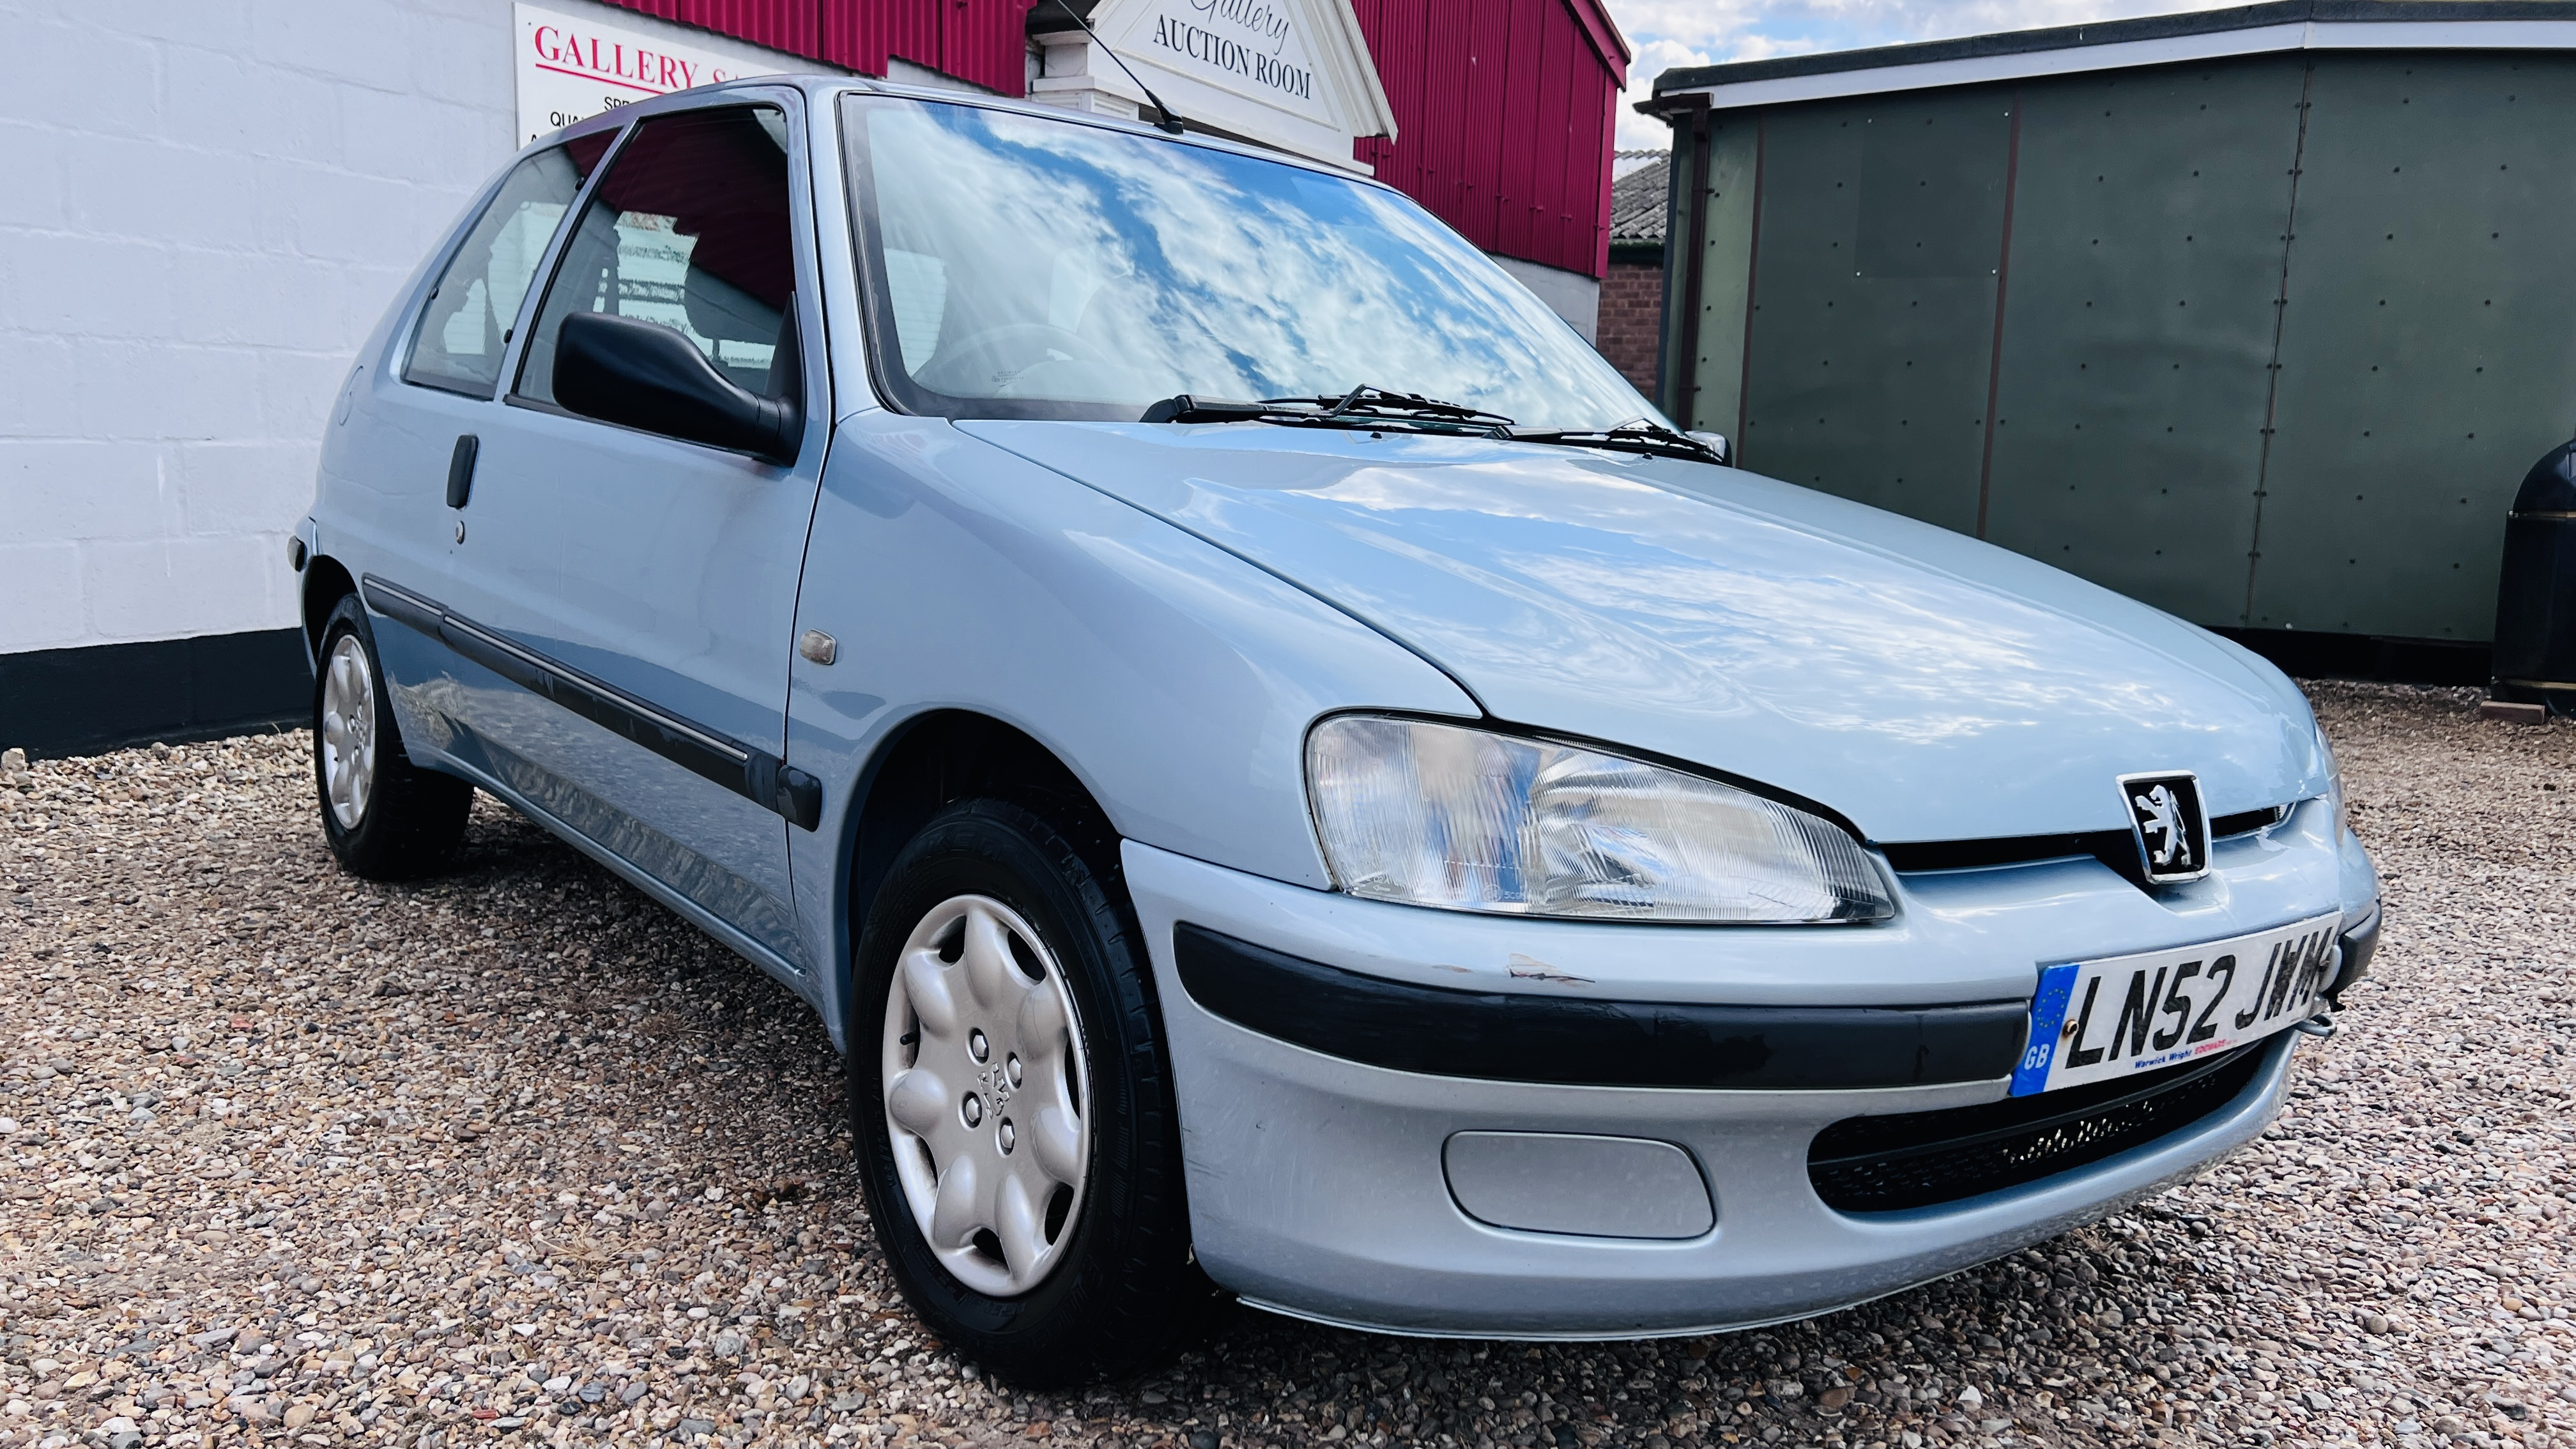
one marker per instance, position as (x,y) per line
(204,207)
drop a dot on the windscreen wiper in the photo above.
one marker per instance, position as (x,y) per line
(1637,435)
(1367,401)
(1361,407)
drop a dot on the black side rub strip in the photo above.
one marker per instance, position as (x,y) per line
(1509,1036)
(754,774)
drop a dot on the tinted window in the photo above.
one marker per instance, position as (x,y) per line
(688,229)
(1028,267)
(470,314)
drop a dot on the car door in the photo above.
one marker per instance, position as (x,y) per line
(632,595)
(431,399)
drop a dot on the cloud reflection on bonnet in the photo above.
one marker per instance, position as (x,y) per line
(1819,646)
(1681,631)
(1028,261)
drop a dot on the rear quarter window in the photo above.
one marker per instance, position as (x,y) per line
(466,324)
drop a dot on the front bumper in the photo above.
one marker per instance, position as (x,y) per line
(1328,1187)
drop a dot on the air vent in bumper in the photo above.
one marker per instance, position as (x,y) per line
(1922,1159)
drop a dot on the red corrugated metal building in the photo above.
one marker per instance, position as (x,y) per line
(1504,111)
(981,42)
(1504,108)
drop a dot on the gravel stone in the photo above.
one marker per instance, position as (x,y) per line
(295,1158)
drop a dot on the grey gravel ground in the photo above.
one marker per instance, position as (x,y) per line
(295,1158)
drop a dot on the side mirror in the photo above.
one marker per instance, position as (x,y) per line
(1716,444)
(620,370)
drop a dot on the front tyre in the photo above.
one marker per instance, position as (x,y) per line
(1011,1101)
(384,818)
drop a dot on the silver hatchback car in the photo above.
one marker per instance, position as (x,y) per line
(1281,772)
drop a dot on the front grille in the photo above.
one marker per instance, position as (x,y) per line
(2107,846)
(2246,822)
(2117,849)
(1919,1159)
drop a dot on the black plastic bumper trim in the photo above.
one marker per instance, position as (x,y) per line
(2359,945)
(754,774)
(1516,1037)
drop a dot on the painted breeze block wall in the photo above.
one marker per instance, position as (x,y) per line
(2265,342)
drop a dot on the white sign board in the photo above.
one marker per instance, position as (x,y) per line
(1247,48)
(1295,74)
(572,67)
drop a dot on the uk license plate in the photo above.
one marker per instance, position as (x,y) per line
(2094,1020)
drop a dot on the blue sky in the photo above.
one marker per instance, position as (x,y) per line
(1668,33)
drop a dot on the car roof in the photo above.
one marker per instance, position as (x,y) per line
(822,88)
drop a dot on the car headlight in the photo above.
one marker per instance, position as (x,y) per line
(1469,820)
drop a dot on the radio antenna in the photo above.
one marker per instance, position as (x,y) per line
(1170,122)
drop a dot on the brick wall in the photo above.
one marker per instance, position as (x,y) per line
(1632,319)
(205,205)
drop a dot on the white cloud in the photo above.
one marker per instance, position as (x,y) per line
(1670,33)
(1654,57)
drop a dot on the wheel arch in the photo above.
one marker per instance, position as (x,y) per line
(936,759)
(326,583)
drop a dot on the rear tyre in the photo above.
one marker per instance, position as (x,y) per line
(1011,1100)
(385,818)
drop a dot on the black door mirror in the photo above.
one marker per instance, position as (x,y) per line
(620,370)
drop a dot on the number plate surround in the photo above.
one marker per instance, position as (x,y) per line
(2094,1020)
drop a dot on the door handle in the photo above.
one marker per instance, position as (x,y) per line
(460,471)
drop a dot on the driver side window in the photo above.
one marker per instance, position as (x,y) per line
(688,230)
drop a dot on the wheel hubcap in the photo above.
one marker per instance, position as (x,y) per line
(348,731)
(985,1094)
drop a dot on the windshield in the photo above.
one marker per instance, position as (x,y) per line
(1026,267)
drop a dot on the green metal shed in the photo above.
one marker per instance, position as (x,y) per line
(2258,315)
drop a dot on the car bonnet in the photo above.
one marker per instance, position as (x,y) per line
(1925,685)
